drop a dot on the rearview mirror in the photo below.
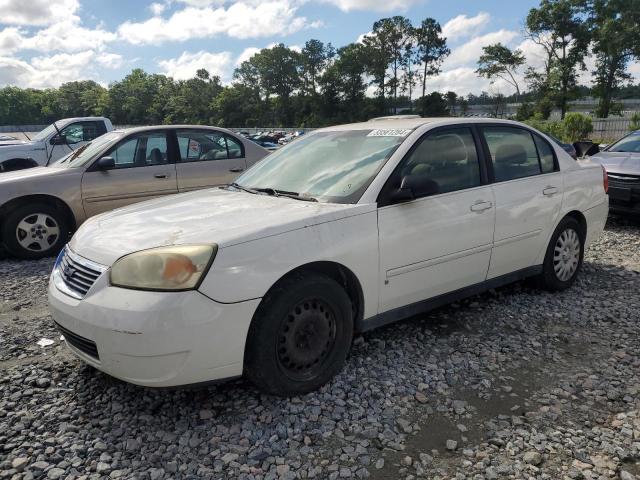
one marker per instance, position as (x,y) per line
(58,140)
(106,163)
(586,147)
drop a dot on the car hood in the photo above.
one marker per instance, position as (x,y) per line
(619,162)
(13,143)
(31,174)
(203,217)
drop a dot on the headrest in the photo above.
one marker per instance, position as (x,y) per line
(450,148)
(512,154)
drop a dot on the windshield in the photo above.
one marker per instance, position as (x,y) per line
(43,134)
(630,143)
(329,166)
(85,153)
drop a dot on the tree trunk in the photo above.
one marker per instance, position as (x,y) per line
(424,80)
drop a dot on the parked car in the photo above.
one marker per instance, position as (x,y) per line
(55,141)
(567,147)
(265,144)
(39,207)
(622,163)
(345,229)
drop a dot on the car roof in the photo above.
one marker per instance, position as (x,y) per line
(411,122)
(160,127)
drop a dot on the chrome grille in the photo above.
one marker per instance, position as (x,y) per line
(75,275)
(623,179)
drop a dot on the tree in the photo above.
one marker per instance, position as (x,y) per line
(431,49)
(315,57)
(452,99)
(560,28)
(387,45)
(577,126)
(192,99)
(499,61)
(614,35)
(433,105)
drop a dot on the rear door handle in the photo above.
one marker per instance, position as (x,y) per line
(236,170)
(481,206)
(549,190)
(161,175)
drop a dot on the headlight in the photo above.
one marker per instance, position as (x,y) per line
(164,268)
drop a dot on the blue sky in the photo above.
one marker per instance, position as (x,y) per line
(49,42)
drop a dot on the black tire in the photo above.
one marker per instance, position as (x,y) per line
(48,243)
(550,279)
(300,335)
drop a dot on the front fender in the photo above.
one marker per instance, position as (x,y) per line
(248,270)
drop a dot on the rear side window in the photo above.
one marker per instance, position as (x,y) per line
(197,145)
(547,158)
(446,157)
(513,153)
(234,147)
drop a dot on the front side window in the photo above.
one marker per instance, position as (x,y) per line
(141,150)
(446,157)
(196,145)
(82,131)
(513,153)
(333,166)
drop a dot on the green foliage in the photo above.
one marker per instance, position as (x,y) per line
(433,105)
(576,126)
(525,111)
(549,127)
(498,61)
(635,122)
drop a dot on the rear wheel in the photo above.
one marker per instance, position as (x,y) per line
(300,335)
(564,256)
(35,231)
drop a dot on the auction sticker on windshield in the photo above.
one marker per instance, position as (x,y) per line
(389,133)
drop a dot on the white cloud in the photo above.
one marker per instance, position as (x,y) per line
(463,26)
(246,54)
(110,60)
(469,52)
(10,40)
(36,12)
(157,8)
(240,20)
(374,5)
(187,64)
(44,72)
(202,3)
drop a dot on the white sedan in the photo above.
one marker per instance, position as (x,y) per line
(345,229)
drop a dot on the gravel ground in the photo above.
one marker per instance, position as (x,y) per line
(515,383)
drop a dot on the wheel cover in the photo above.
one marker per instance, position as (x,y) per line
(566,254)
(37,232)
(306,339)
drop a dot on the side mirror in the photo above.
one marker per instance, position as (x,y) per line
(586,147)
(106,163)
(58,140)
(414,186)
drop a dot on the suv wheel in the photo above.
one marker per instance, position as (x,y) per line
(35,231)
(300,335)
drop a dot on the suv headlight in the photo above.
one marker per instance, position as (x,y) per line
(172,268)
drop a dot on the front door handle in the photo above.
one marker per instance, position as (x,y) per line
(481,206)
(161,175)
(236,170)
(549,190)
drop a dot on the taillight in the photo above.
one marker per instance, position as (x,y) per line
(605,179)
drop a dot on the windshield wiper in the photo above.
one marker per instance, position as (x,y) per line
(283,193)
(76,152)
(240,187)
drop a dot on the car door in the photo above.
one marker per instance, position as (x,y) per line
(440,242)
(73,136)
(144,169)
(528,194)
(207,158)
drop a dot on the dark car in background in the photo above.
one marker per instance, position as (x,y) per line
(621,160)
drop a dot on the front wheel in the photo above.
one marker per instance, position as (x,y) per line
(564,256)
(300,335)
(35,231)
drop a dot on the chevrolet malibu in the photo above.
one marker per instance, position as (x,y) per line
(345,229)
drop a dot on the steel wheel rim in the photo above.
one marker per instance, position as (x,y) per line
(306,339)
(566,254)
(37,232)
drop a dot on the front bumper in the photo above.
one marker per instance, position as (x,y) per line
(154,339)
(624,194)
